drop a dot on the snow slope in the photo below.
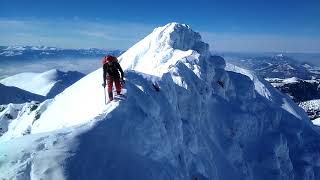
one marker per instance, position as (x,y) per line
(49,83)
(15,119)
(16,95)
(203,123)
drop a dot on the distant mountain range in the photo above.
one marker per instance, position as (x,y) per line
(44,52)
(302,92)
(298,89)
(299,80)
(279,66)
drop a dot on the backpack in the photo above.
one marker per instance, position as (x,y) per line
(110,62)
(109,58)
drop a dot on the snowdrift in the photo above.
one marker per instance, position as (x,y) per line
(186,116)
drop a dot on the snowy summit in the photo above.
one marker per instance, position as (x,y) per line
(163,48)
(185,117)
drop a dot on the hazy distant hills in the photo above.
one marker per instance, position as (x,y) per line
(279,66)
(298,79)
(44,52)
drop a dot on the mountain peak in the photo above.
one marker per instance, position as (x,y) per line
(180,36)
(281,56)
(219,125)
(163,48)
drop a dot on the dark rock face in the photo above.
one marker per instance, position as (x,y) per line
(302,90)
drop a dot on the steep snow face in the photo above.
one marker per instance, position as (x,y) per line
(49,83)
(259,87)
(78,104)
(189,119)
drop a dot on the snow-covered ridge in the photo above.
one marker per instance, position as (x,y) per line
(260,87)
(166,50)
(48,83)
(202,122)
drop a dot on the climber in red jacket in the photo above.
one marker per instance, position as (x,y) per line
(111,69)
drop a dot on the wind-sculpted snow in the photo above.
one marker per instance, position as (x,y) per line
(185,117)
(164,47)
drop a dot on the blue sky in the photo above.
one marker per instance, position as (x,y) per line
(243,26)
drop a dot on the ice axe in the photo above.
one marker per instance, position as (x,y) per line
(105,96)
